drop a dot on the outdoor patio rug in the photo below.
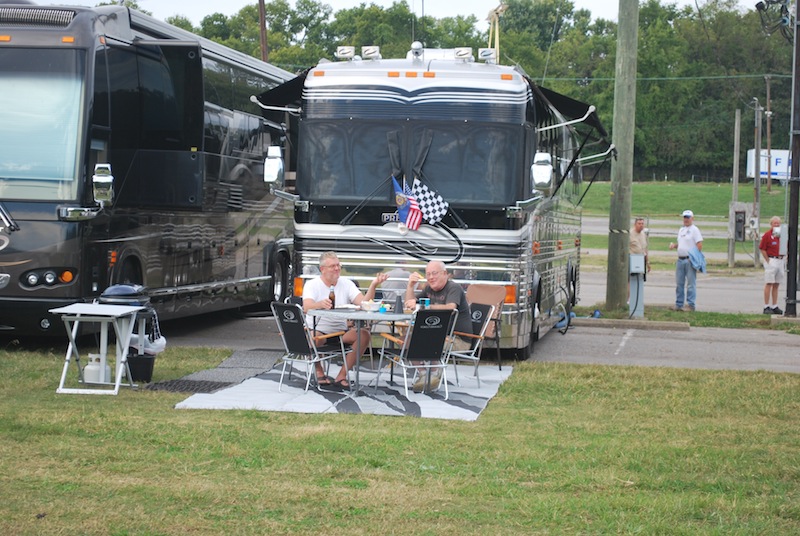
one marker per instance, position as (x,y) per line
(261,393)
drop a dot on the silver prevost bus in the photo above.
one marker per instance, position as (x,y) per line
(491,158)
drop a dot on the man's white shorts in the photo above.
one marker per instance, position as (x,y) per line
(773,271)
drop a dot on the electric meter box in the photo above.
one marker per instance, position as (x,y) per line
(636,263)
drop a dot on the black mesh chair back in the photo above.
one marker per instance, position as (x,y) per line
(492,295)
(292,326)
(482,316)
(426,341)
(298,341)
(425,346)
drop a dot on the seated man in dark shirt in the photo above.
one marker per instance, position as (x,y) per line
(444,294)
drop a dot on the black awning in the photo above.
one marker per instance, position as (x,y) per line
(572,109)
(287,94)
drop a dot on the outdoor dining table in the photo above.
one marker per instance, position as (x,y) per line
(360,318)
(122,318)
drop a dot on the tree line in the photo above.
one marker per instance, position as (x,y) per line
(696,65)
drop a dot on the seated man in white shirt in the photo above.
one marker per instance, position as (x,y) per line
(315,296)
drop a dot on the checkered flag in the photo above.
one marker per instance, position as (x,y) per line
(431,204)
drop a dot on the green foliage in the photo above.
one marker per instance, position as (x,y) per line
(658,199)
(182,22)
(133,4)
(696,65)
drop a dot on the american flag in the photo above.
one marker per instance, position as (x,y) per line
(407,208)
(432,205)
(414,218)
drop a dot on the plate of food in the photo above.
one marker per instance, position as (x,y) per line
(370,305)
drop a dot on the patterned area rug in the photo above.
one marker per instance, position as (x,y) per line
(261,393)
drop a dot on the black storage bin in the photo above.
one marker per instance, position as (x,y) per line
(141,366)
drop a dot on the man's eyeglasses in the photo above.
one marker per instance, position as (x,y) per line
(336,266)
(433,274)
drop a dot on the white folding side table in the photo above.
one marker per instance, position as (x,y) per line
(122,318)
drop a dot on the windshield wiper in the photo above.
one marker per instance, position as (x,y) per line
(8,220)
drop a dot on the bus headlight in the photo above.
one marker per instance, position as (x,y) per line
(50,277)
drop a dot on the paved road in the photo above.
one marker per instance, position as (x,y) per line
(703,348)
(709,348)
(715,293)
(700,348)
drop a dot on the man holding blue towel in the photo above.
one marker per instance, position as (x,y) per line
(689,239)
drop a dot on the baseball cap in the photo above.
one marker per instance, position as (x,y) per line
(688,214)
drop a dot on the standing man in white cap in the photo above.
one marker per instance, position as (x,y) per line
(774,266)
(689,238)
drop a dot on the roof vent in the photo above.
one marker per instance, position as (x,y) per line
(35,17)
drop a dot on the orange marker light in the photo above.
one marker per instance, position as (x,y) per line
(5,38)
(68,39)
(511,294)
(66,276)
(428,74)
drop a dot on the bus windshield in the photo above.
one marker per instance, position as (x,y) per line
(470,164)
(41,107)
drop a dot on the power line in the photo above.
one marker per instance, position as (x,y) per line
(671,78)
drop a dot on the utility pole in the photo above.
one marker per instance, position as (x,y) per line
(619,218)
(757,185)
(735,197)
(794,184)
(768,113)
(262,22)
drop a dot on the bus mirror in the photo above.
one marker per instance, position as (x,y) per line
(103,185)
(542,171)
(273,166)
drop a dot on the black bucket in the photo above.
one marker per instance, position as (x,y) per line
(141,366)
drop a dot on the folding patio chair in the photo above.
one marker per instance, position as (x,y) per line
(424,347)
(490,295)
(298,340)
(482,315)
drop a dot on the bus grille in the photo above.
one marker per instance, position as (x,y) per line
(21,16)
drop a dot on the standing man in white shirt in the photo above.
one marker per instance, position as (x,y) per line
(689,238)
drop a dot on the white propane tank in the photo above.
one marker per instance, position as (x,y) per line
(92,372)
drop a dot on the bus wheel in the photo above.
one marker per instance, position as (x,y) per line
(527,352)
(279,282)
(573,287)
(130,273)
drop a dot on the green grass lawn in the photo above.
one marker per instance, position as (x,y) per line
(562,449)
(669,199)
